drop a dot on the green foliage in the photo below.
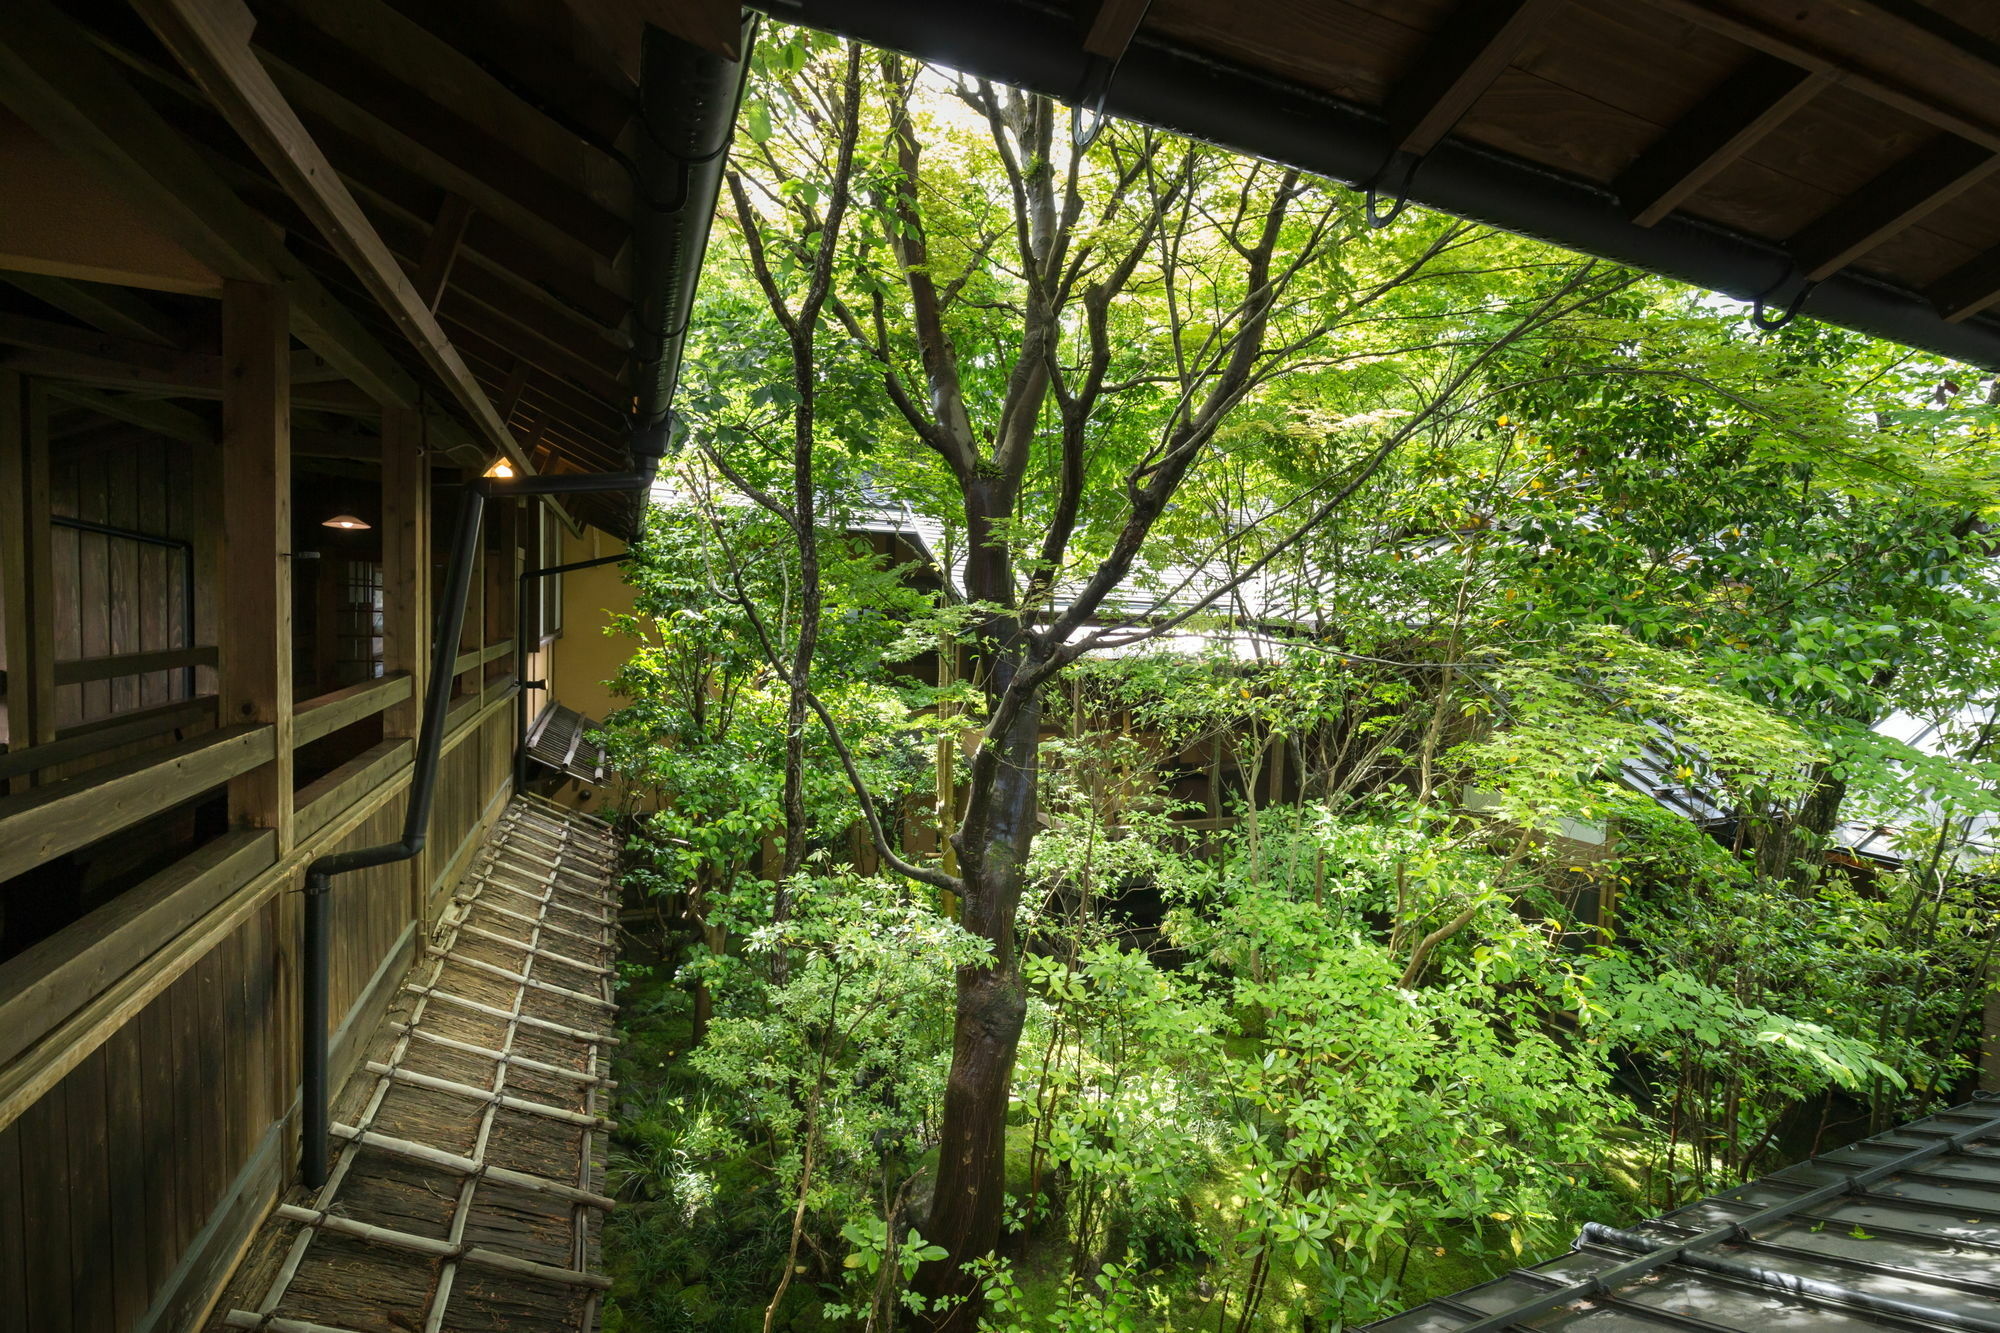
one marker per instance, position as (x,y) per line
(1438,989)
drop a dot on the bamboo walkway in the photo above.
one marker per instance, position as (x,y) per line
(467,1186)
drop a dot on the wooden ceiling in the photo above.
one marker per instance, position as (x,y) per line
(446,190)
(1842,151)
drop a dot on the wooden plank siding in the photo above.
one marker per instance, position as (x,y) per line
(117,595)
(169,1115)
(158,804)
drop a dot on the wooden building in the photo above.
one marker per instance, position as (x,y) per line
(282,281)
(279,285)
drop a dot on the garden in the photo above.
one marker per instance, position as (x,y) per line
(1190,761)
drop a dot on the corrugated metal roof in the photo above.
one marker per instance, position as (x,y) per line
(1901,1230)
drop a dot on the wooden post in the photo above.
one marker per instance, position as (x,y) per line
(26,589)
(257,502)
(406,586)
(406,548)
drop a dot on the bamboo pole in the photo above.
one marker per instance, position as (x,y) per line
(467,1048)
(596,941)
(468,1166)
(477,1255)
(492,1011)
(522,1104)
(523,979)
(550,955)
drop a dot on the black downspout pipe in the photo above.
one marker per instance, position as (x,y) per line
(687,105)
(423,783)
(529,579)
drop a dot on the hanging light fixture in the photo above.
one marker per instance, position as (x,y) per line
(502,468)
(346,523)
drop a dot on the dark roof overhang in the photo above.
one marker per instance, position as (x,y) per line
(1161,81)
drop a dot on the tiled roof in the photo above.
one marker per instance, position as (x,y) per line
(1898,1231)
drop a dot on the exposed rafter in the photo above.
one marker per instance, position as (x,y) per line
(1473,48)
(539,51)
(1900,197)
(1112,27)
(212,39)
(1849,74)
(1748,105)
(1968,289)
(441,249)
(333,85)
(176,423)
(74,97)
(116,310)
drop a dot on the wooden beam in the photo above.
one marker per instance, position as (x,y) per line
(80,669)
(43,986)
(1112,27)
(321,801)
(404,205)
(106,308)
(535,48)
(1723,126)
(351,445)
(199,377)
(48,335)
(73,95)
(441,249)
(212,39)
(330,328)
(446,153)
(1970,288)
(619,26)
(1900,197)
(480,656)
(1471,50)
(91,738)
(64,220)
(76,812)
(1914,98)
(257,586)
(510,391)
(367,57)
(176,423)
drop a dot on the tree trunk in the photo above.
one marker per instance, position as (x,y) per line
(967,1201)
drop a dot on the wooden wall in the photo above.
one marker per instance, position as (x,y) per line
(125,1189)
(108,1181)
(114,595)
(149,1086)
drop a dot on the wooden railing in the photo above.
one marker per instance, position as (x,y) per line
(63,995)
(330,712)
(317,803)
(45,823)
(82,669)
(80,742)
(477,657)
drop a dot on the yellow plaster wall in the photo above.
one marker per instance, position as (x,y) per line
(585,656)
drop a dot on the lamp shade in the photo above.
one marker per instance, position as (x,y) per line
(345,522)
